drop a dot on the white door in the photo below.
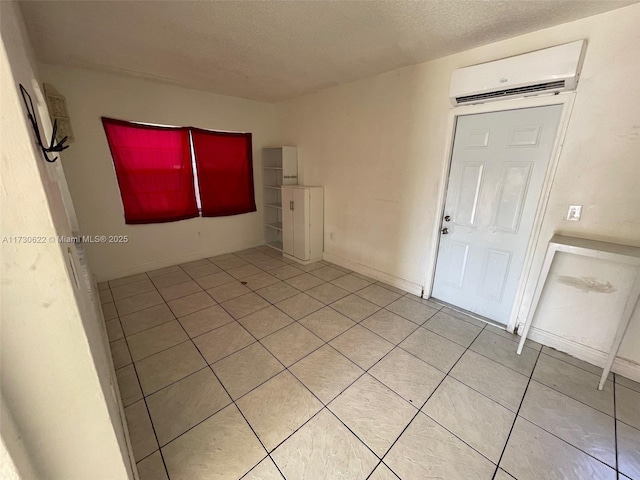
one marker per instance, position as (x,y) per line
(287,220)
(300,220)
(498,166)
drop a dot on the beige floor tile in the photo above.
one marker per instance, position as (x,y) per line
(327,293)
(620,380)
(427,450)
(494,380)
(138,302)
(128,385)
(194,263)
(152,468)
(260,280)
(456,330)
(378,295)
(412,310)
(574,422)
(628,450)
(503,351)
(114,329)
(291,343)
(265,470)
(156,339)
(228,291)
(240,307)
(240,273)
(179,290)
(168,366)
(328,273)
(286,272)
(574,382)
(181,405)
(228,261)
(548,457)
(514,338)
(327,323)
(214,280)
(363,347)
(131,289)
(265,321)
(463,316)
(126,280)
(310,267)
(324,449)
(143,440)
(170,279)
(105,296)
(299,306)
(502,475)
(109,311)
(269,264)
(246,369)
(223,446)
(199,271)
(437,351)
(382,472)
(408,376)
(351,283)
(304,282)
(397,290)
(223,341)
(628,406)
(390,326)
(103,286)
(326,373)
(277,292)
(144,319)
(120,353)
(472,417)
(191,303)
(164,271)
(205,320)
(277,408)
(375,413)
(355,307)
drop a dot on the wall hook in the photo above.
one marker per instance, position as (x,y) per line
(31,113)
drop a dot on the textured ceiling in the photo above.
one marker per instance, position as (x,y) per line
(277,50)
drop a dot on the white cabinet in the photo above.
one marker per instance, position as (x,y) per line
(279,167)
(302,222)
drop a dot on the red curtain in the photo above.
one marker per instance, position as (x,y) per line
(153,166)
(225,172)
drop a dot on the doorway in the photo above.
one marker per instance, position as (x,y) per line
(498,168)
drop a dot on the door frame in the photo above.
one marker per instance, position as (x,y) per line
(566,100)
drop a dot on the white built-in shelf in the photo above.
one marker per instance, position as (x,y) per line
(274,205)
(276,245)
(276,225)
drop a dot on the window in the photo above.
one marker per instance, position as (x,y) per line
(158,182)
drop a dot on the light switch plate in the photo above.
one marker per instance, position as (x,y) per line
(574,213)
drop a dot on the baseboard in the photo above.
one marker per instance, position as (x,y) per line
(624,367)
(392,280)
(165,262)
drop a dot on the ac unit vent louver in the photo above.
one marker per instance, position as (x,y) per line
(540,87)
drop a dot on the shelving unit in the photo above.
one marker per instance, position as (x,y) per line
(279,167)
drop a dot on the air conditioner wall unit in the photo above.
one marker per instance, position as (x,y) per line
(551,70)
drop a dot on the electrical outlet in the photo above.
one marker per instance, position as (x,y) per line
(574,212)
(331,236)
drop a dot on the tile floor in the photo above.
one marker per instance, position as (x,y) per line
(250,366)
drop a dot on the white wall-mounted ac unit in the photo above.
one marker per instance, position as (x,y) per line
(550,70)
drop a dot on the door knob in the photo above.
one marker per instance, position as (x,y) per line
(447,218)
(444,231)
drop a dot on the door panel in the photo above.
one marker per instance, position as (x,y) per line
(300,229)
(498,166)
(287,220)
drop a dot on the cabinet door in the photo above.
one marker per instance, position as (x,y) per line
(287,220)
(301,223)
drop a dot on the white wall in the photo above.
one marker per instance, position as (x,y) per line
(378,146)
(59,411)
(92,181)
